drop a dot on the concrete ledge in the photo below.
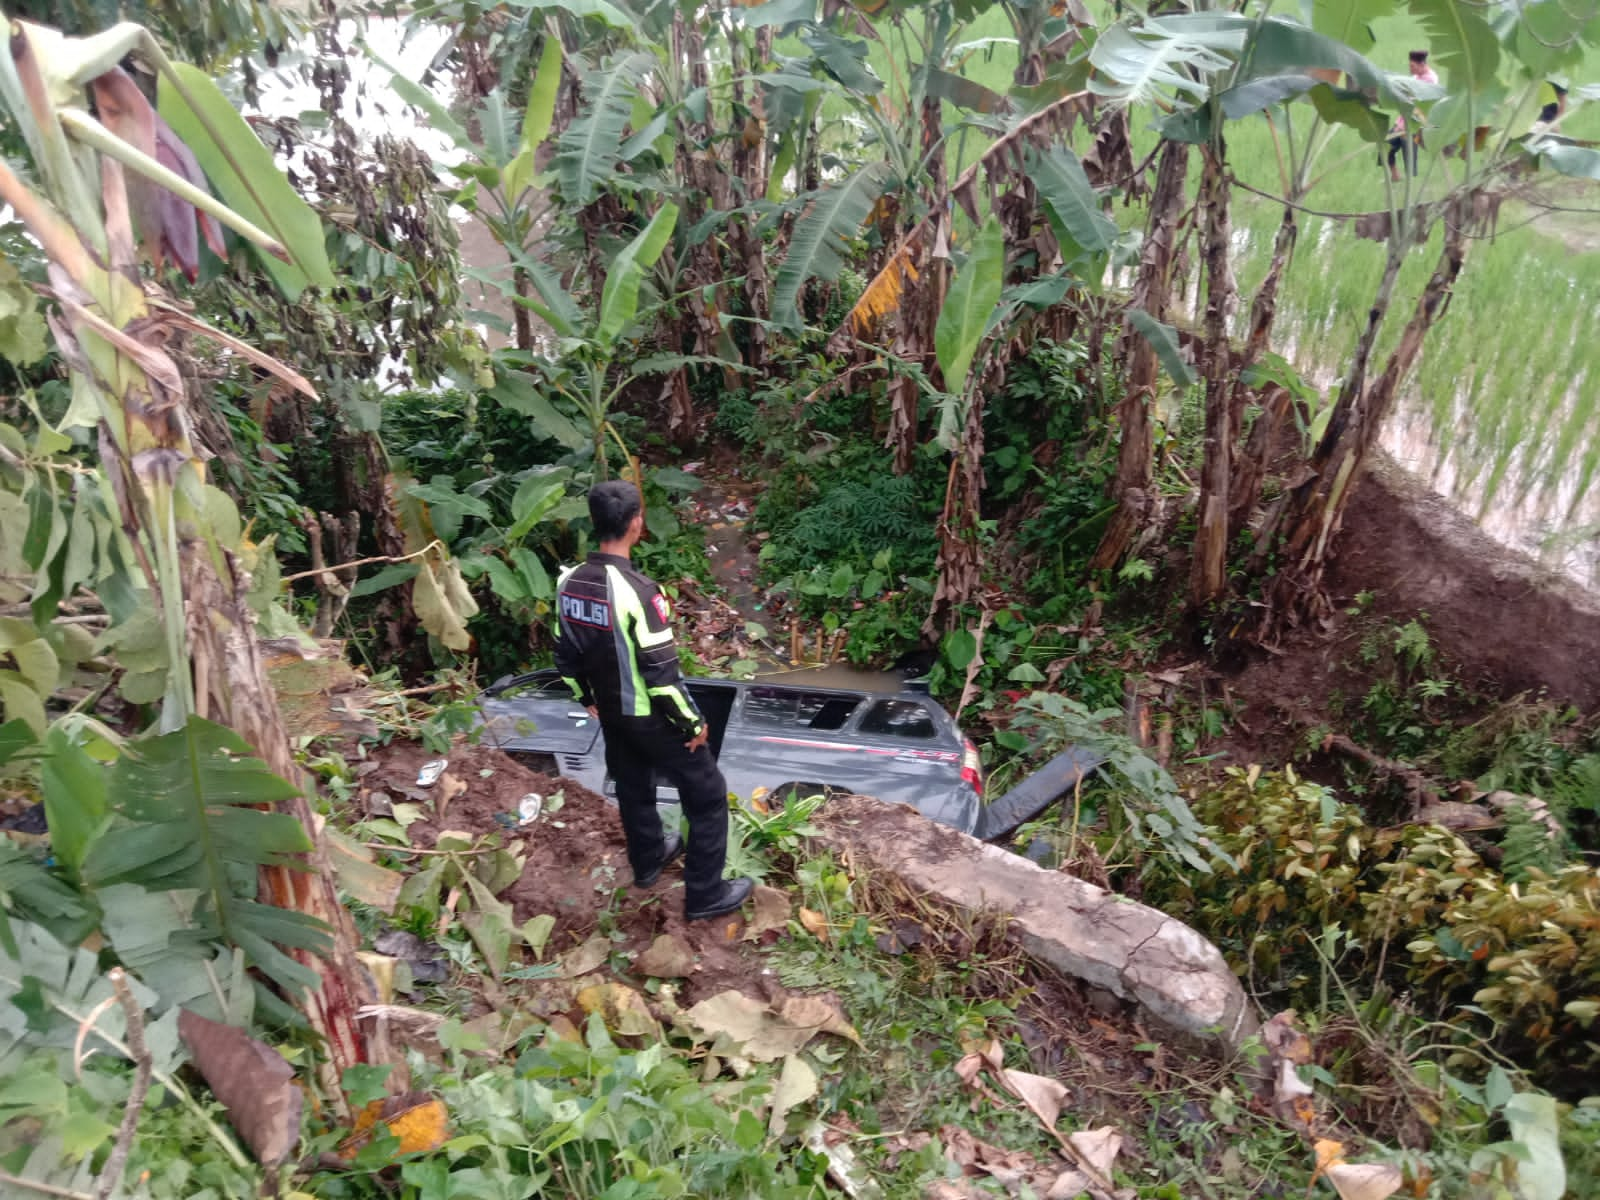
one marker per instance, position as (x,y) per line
(1178,978)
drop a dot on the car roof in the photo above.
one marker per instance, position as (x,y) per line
(744,684)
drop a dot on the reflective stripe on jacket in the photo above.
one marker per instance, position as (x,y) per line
(614,643)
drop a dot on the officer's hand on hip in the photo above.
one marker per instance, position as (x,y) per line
(698,739)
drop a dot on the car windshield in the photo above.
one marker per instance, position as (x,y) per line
(795,707)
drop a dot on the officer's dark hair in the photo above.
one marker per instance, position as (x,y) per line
(612,507)
(1419,56)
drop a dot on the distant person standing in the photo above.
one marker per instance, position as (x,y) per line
(614,647)
(1398,142)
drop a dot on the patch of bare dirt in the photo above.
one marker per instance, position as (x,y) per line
(575,861)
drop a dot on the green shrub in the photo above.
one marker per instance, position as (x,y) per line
(1416,903)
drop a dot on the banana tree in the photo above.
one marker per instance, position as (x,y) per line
(1495,60)
(109,185)
(590,342)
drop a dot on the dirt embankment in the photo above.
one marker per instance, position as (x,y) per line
(1504,621)
(1499,623)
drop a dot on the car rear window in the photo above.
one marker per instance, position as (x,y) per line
(793,707)
(898,718)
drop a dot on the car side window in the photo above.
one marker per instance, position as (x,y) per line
(793,707)
(899,718)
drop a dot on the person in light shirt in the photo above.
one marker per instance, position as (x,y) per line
(1398,142)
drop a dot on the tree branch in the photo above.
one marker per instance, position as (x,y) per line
(111,1174)
(363,562)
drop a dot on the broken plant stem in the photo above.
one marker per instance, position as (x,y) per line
(363,562)
(44,1189)
(118,1159)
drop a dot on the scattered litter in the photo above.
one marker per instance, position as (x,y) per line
(529,808)
(429,774)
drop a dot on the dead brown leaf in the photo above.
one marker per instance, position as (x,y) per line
(815,923)
(251,1080)
(819,1013)
(771,912)
(668,957)
(1364,1181)
(448,788)
(587,957)
(1042,1095)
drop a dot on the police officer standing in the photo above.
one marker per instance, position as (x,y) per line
(614,648)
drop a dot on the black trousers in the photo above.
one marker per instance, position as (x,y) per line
(638,751)
(1406,146)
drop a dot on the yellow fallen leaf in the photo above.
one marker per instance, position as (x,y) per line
(1328,1153)
(419,1122)
(1364,1181)
(815,923)
(620,1007)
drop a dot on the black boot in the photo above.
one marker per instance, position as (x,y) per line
(671,848)
(728,897)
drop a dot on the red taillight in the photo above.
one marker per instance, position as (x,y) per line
(971,766)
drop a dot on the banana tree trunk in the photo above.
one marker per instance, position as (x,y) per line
(1136,451)
(1208,570)
(750,170)
(1251,465)
(112,338)
(1315,510)
(960,566)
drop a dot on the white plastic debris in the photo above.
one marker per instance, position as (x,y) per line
(529,808)
(430,772)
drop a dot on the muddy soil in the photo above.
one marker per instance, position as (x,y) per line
(576,863)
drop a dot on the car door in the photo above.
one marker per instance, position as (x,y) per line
(538,714)
(784,734)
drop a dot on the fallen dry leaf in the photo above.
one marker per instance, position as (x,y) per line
(1097,1148)
(381,968)
(585,958)
(1043,1096)
(757,1032)
(419,1122)
(500,1029)
(1069,1185)
(815,923)
(359,874)
(771,912)
(1328,1152)
(561,1027)
(449,787)
(819,1013)
(621,1008)
(797,1083)
(1364,1181)
(668,957)
(251,1080)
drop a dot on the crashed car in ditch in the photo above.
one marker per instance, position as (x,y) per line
(792,738)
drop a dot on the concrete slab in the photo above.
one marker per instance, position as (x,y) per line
(1178,978)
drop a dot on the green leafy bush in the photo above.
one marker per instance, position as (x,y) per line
(1417,904)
